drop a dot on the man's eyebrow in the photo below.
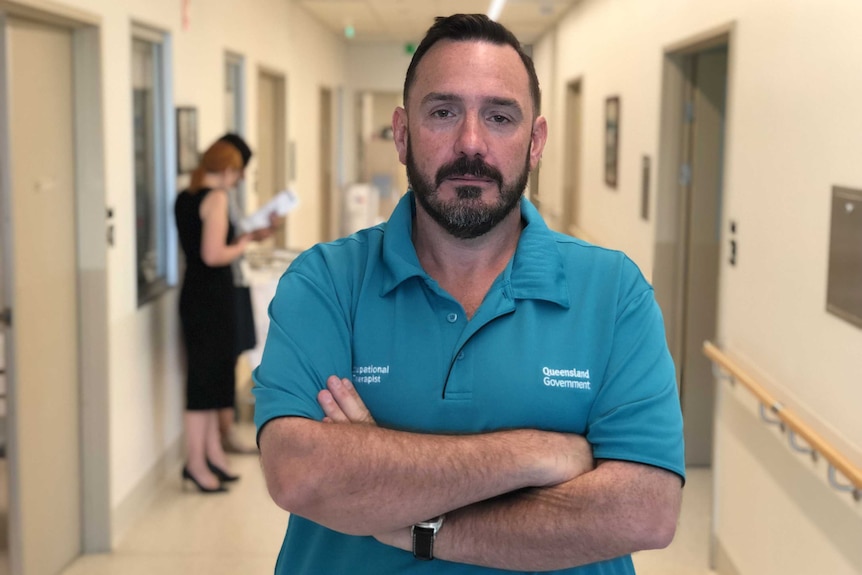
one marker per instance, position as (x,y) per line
(440,97)
(434,97)
(505,102)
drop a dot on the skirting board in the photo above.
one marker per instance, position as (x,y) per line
(721,562)
(138,502)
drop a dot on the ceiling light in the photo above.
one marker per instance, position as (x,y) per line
(495,9)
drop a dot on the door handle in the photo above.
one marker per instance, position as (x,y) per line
(6,317)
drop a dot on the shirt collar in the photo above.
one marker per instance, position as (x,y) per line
(536,271)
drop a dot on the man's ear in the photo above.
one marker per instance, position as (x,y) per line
(399,133)
(537,141)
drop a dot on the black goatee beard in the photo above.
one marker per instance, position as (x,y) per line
(466,217)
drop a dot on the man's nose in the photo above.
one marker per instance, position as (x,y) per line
(471,137)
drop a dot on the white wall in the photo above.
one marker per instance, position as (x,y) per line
(792,133)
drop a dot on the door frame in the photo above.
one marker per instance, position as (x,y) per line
(329,206)
(669,203)
(93,218)
(235,62)
(282,235)
(670,156)
(572,202)
(671,222)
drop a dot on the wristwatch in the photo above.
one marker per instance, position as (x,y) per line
(424,534)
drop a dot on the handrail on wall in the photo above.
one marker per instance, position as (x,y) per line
(786,419)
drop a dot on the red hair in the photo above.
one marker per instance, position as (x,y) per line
(218,158)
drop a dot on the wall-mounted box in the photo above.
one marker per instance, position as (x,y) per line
(844,287)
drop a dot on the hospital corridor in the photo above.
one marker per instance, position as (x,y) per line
(713,146)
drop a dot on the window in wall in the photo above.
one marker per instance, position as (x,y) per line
(152,225)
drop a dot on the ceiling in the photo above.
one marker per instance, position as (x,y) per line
(406,21)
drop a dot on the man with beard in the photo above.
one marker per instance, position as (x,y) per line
(461,383)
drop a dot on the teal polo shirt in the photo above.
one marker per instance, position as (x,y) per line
(569,338)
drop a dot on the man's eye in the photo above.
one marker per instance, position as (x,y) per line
(441,114)
(499,119)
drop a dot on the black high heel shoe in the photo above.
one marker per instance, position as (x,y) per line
(222,475)
(188,476)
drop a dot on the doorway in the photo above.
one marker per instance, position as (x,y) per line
(271,140)
(54,225)
(689,224)
(571,204)
(328,208)
(45,399)
(382,177)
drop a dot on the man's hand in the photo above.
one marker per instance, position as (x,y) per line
(342,404)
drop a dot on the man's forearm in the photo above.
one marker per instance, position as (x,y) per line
(614,510)
(363,480)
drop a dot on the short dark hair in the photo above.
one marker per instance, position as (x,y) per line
(466,27)
(237,142)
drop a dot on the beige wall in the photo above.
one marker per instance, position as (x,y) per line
(791,136)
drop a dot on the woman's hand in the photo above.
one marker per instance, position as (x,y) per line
(275,222)
(242,240)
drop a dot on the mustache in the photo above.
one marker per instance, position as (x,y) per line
(465,166)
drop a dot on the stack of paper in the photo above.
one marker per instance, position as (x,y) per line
(283,203)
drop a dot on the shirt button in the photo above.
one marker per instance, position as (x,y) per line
(452,317)
(461,356)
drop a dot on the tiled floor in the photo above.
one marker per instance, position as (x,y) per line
(240,532)
(234,533)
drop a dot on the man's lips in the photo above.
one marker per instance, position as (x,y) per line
(468,178)
(469,172)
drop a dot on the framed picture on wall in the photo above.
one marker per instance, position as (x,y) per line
(612,140)
(187,139)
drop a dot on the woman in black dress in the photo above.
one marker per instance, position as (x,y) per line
(208,310)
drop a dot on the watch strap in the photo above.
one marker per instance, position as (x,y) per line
(423,542)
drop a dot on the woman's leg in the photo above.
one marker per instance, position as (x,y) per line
(225,423)
(230,440)
(197,425)
(214,451)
